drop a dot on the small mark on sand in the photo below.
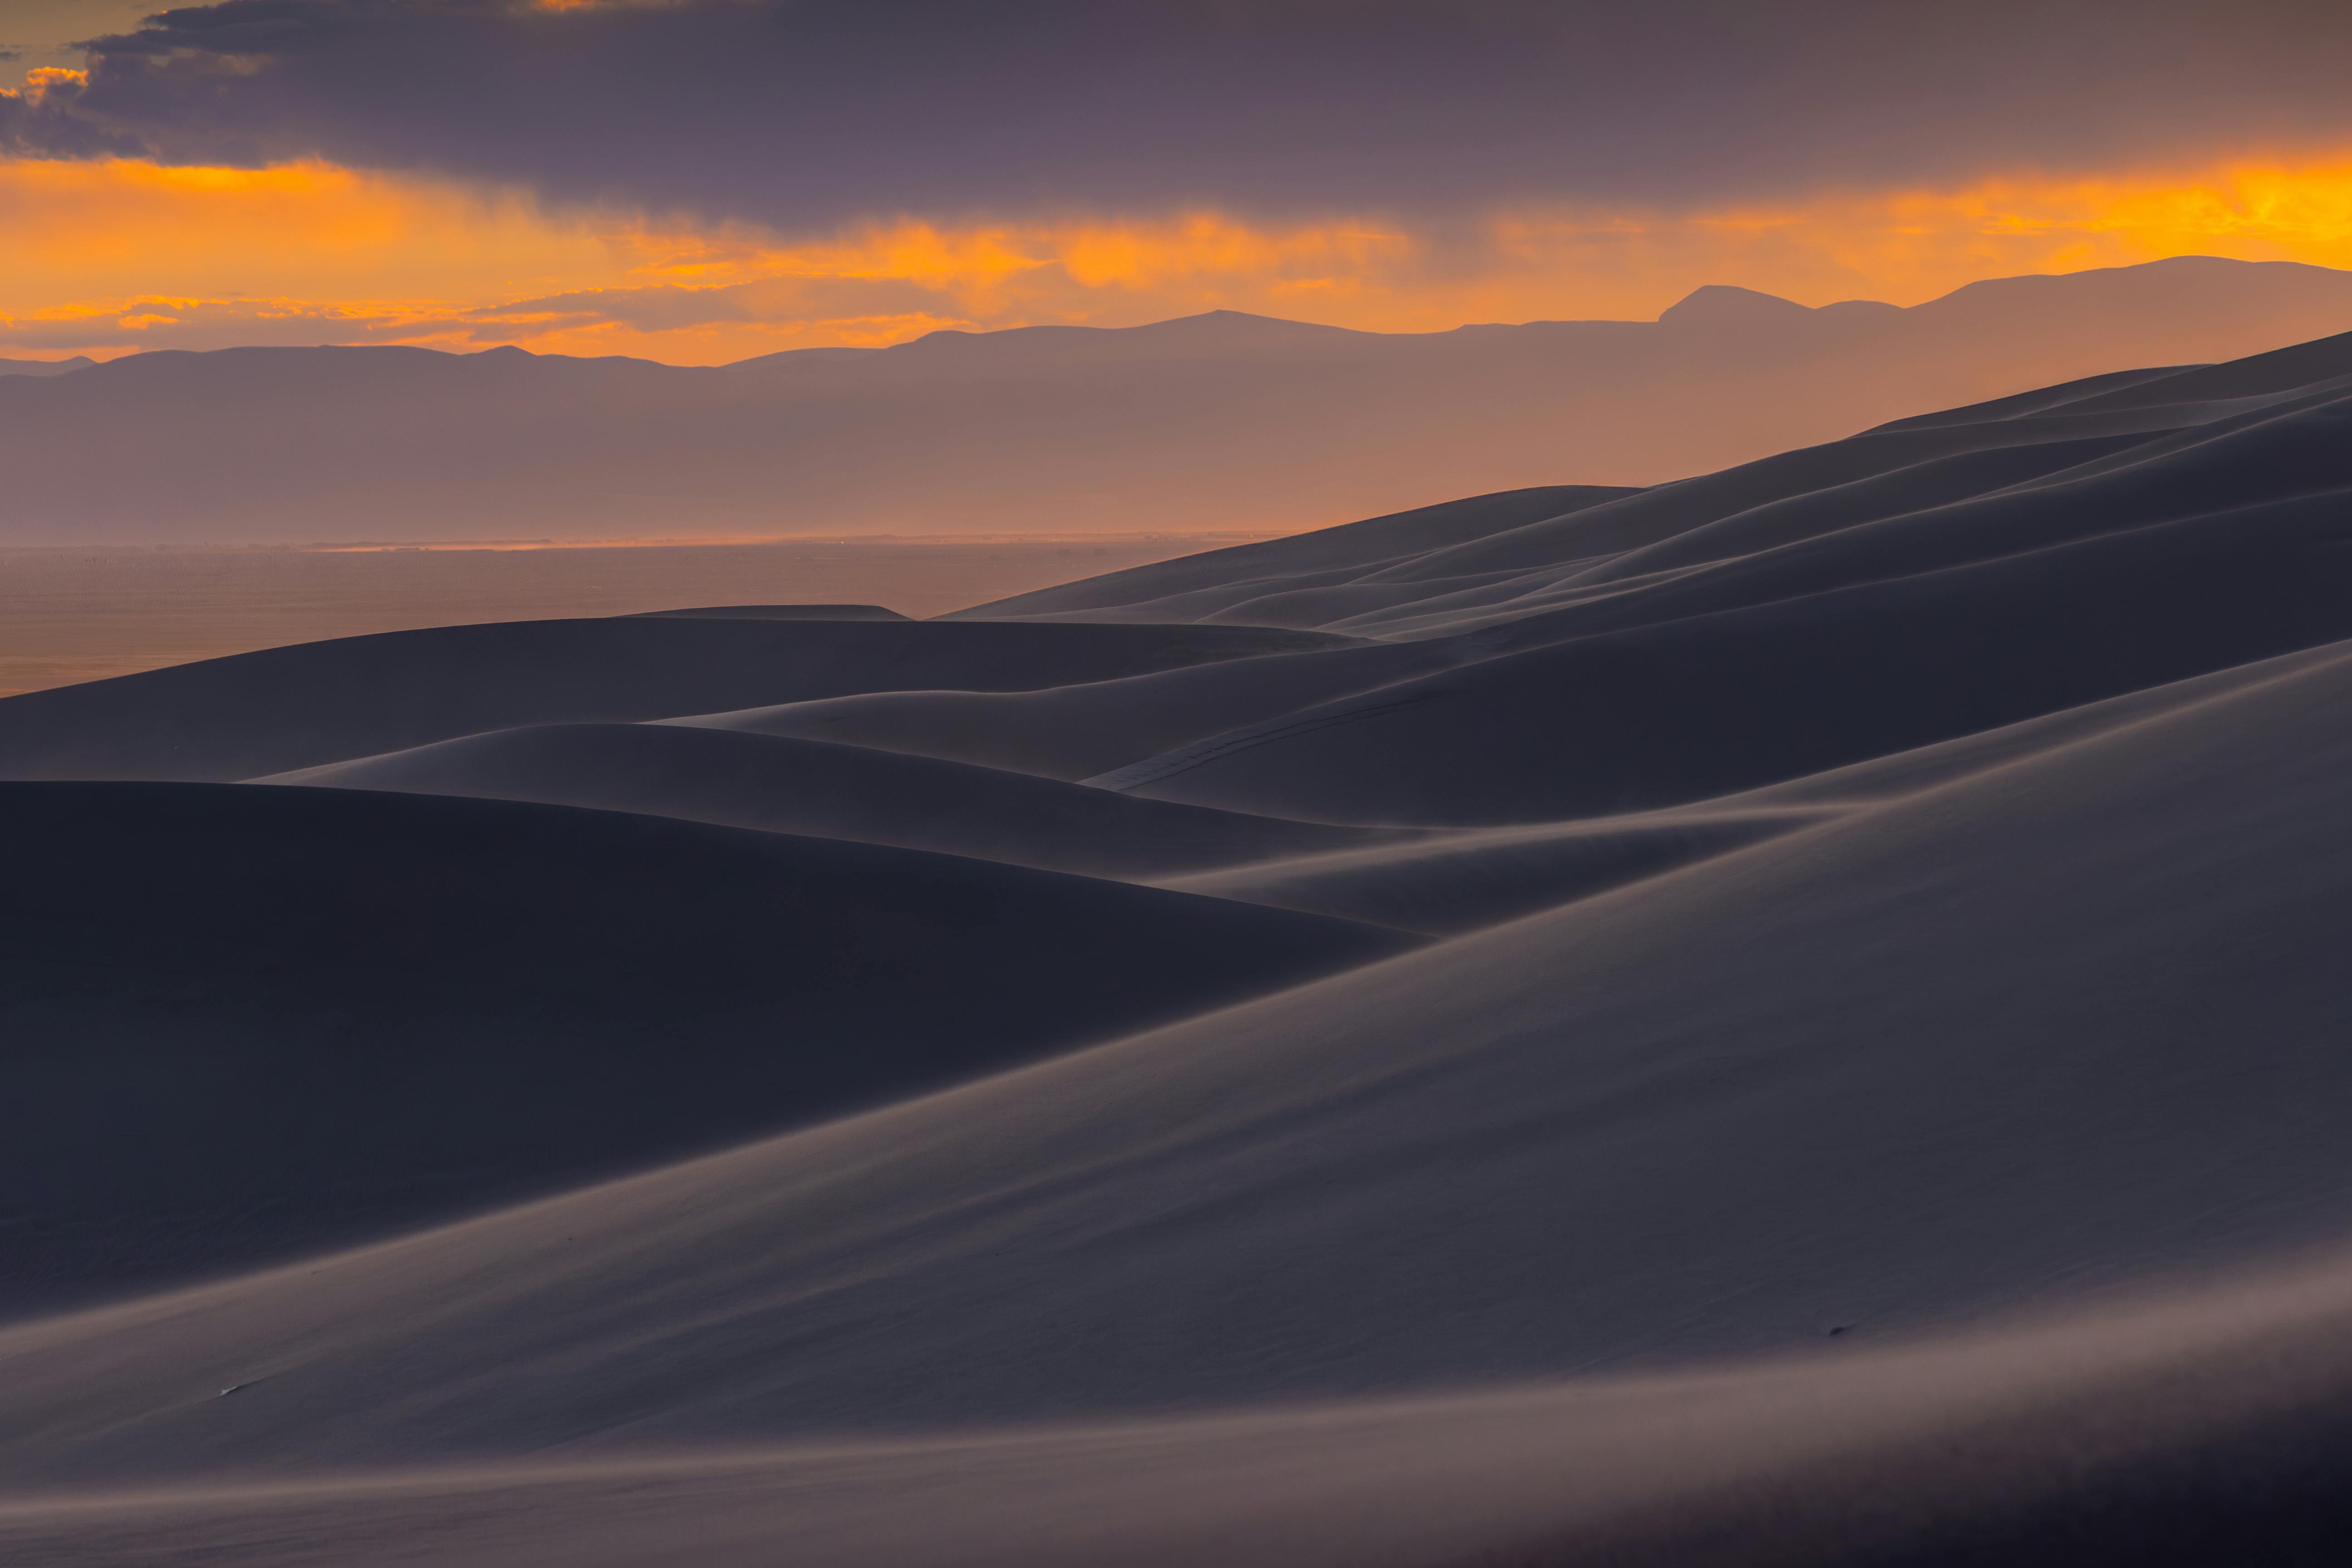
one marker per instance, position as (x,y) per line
(232,1388)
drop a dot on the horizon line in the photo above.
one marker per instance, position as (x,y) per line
(103,358)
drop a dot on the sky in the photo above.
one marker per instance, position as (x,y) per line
(700,180)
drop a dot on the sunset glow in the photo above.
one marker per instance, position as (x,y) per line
(108,257)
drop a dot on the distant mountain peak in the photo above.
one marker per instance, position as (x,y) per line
(45,366)
(1246,325)
(1724,303)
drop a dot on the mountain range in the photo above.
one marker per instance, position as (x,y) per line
(45,366)
(1208,423)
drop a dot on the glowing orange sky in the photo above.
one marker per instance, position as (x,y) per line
(104,258)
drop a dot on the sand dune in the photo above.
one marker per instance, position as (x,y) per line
(1792,687)
(1875,1100)
(1221,578)
(2164,446)
(325,702)
(1447,883)
(780,785)
(1090,727)
(1783,644)
(2063,1444)
(1469,1164)
(304,1017)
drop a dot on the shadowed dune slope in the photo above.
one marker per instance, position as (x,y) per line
(779,785)
(1352,548)
(1974,1048)
(1972,485)
(1693,708)
(2071,490)
(300,707)
(1448,883)
(240,1022)
(1077,731)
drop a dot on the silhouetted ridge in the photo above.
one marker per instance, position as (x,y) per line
(323,703)
(43,367)
(1350,547)
(780,613)
(2041,400)
(780,783)
(2300,368)
(1718,303)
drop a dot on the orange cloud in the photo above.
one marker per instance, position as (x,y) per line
(85,232)
(41,80)
(1914,245)
(109,256)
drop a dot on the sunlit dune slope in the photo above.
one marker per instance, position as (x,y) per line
(2198,1431)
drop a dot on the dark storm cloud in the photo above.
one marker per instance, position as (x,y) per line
(806,111)
(46,118)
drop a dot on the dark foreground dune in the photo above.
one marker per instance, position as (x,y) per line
(1877,1099)
(301,707)
(299,1016)
(780,785)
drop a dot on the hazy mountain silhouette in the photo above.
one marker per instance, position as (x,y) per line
(1216,421)
(44,366)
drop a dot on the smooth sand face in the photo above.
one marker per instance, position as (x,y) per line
(1874,1099)
(779,783)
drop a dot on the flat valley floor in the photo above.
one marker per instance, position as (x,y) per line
(69,615)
